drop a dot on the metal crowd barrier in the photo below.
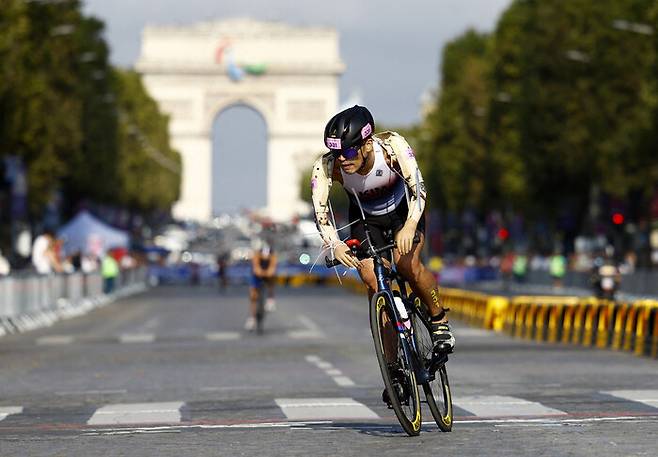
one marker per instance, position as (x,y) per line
(31,301)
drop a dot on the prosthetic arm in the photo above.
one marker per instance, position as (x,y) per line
(402,154)
(321,180)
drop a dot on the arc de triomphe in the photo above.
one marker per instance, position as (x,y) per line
(287,74)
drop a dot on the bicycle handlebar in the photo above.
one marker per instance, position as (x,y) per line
(330,263)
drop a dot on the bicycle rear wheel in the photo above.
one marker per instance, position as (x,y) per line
(399,381)
(437,391)
(260,310)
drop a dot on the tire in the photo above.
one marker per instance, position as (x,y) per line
(437,391)
(407,410)
(260,310)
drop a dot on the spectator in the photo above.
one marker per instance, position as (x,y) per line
(89,264)
(221,271)
(506,267)
(557,268)
(520,267)
(109,272)
(44,256)
(5,268)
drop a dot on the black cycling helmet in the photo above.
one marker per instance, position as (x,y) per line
(349,129)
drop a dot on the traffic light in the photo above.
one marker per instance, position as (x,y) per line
(617,218)
(503,234)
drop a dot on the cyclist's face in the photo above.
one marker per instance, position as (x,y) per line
(350,166)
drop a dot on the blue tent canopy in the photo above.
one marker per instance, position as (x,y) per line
(89,235)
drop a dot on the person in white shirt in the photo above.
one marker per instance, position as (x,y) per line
(44,258)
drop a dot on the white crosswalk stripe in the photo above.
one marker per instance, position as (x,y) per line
(498,405)
(54,340)
(9,410)
(137,413)
(222,336)
(137,338)
(648,397)
(324,409)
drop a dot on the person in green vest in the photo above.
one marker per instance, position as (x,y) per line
(520,267)
(109,272)
(557,268)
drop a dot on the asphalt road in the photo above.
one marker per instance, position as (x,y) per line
(171,372)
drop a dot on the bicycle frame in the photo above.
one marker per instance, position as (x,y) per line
(405,334)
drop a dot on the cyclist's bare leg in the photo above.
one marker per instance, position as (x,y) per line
(421,280)
(270,287)
(253,301)
(389,337)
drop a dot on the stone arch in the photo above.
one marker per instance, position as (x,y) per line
(230,101)
(225,165)
(295,91)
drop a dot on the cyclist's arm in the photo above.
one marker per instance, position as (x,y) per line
(321,181)
(255,266)
(271,268)
(403,158)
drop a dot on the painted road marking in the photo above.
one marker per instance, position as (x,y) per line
(137,338)
(310,331)
(330,425)
(9,410)
(648,397)
(222,336)
(54,340)
(343,381)
(91,392)
(328,368)
(231,388)
(498,405)
(324,408)
(137,413)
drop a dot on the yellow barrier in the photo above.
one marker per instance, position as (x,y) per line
(654,333)
(605,325)
(629,328)
(620,320)
(643,328)
(555,320)
(494,317)
(589,321)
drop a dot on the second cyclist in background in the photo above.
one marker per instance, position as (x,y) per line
(263,274)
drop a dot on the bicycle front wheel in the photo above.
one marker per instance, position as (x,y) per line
(437,390)
(399,377)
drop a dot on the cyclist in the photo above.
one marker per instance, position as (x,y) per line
(382,170)
(263,270)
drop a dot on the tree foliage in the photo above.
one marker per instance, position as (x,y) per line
(60,108)
(149,169)
(560,99)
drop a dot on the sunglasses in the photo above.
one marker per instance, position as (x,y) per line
(348,153)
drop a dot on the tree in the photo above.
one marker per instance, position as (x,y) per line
(457,155)
(573,100)
(149,169)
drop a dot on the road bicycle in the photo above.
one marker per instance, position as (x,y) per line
(261,310)
(416,363)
